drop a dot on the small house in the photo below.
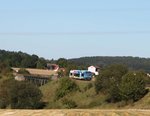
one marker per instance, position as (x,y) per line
(94,69)
(53,67)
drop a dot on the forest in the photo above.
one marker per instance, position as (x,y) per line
(20,59)
(134,63)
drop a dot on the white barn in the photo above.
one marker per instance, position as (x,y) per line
(94,69)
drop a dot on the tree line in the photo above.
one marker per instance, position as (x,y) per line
(20,59)
(134,63)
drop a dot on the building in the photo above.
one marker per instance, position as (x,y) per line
(19,78)
(94,69)
(53,67)
(41,72)
(36,76)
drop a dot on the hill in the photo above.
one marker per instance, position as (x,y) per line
(20,59)
(134,63)
(86,98)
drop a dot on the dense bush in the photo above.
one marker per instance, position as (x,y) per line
(19,95)
(41,63)
(69,104)
(89,86)
(61,73)
(66,86)
(62,62)
(109,80)
(133,86)
(25,96)
(118,85)
(4,69)
(5,85)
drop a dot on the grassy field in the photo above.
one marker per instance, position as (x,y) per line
(74,112)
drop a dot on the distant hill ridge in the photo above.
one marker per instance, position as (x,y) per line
(20,59)
(135,63)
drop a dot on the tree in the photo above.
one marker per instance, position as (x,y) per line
(4,93)
(133,86)
(108,81)
(19,95)
(62,62)
(4,68)
(24,95)
(61,73)
(65,87)
(41,63)
(29,61)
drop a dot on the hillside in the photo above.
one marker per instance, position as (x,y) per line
(135,63)
(87,98)
(83,98)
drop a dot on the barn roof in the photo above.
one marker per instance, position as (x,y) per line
(41,72)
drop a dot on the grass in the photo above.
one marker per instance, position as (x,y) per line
(144,103)
(85,97)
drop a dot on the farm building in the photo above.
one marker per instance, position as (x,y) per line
(41,72)
(94,69)
(36,76)
(53,67)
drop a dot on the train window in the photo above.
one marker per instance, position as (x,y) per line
(77,75)
(82,74)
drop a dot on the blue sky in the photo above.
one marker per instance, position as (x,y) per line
(76,28)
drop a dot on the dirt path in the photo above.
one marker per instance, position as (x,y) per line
(74,112)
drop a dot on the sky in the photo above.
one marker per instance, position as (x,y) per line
(76,28)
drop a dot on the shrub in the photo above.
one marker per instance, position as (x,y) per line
(5,86)
(20,95)
(66,86)
(133,86)
(69,104)
(89,86)
(109,80)
(61,74)
(4,68)
(25,96)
